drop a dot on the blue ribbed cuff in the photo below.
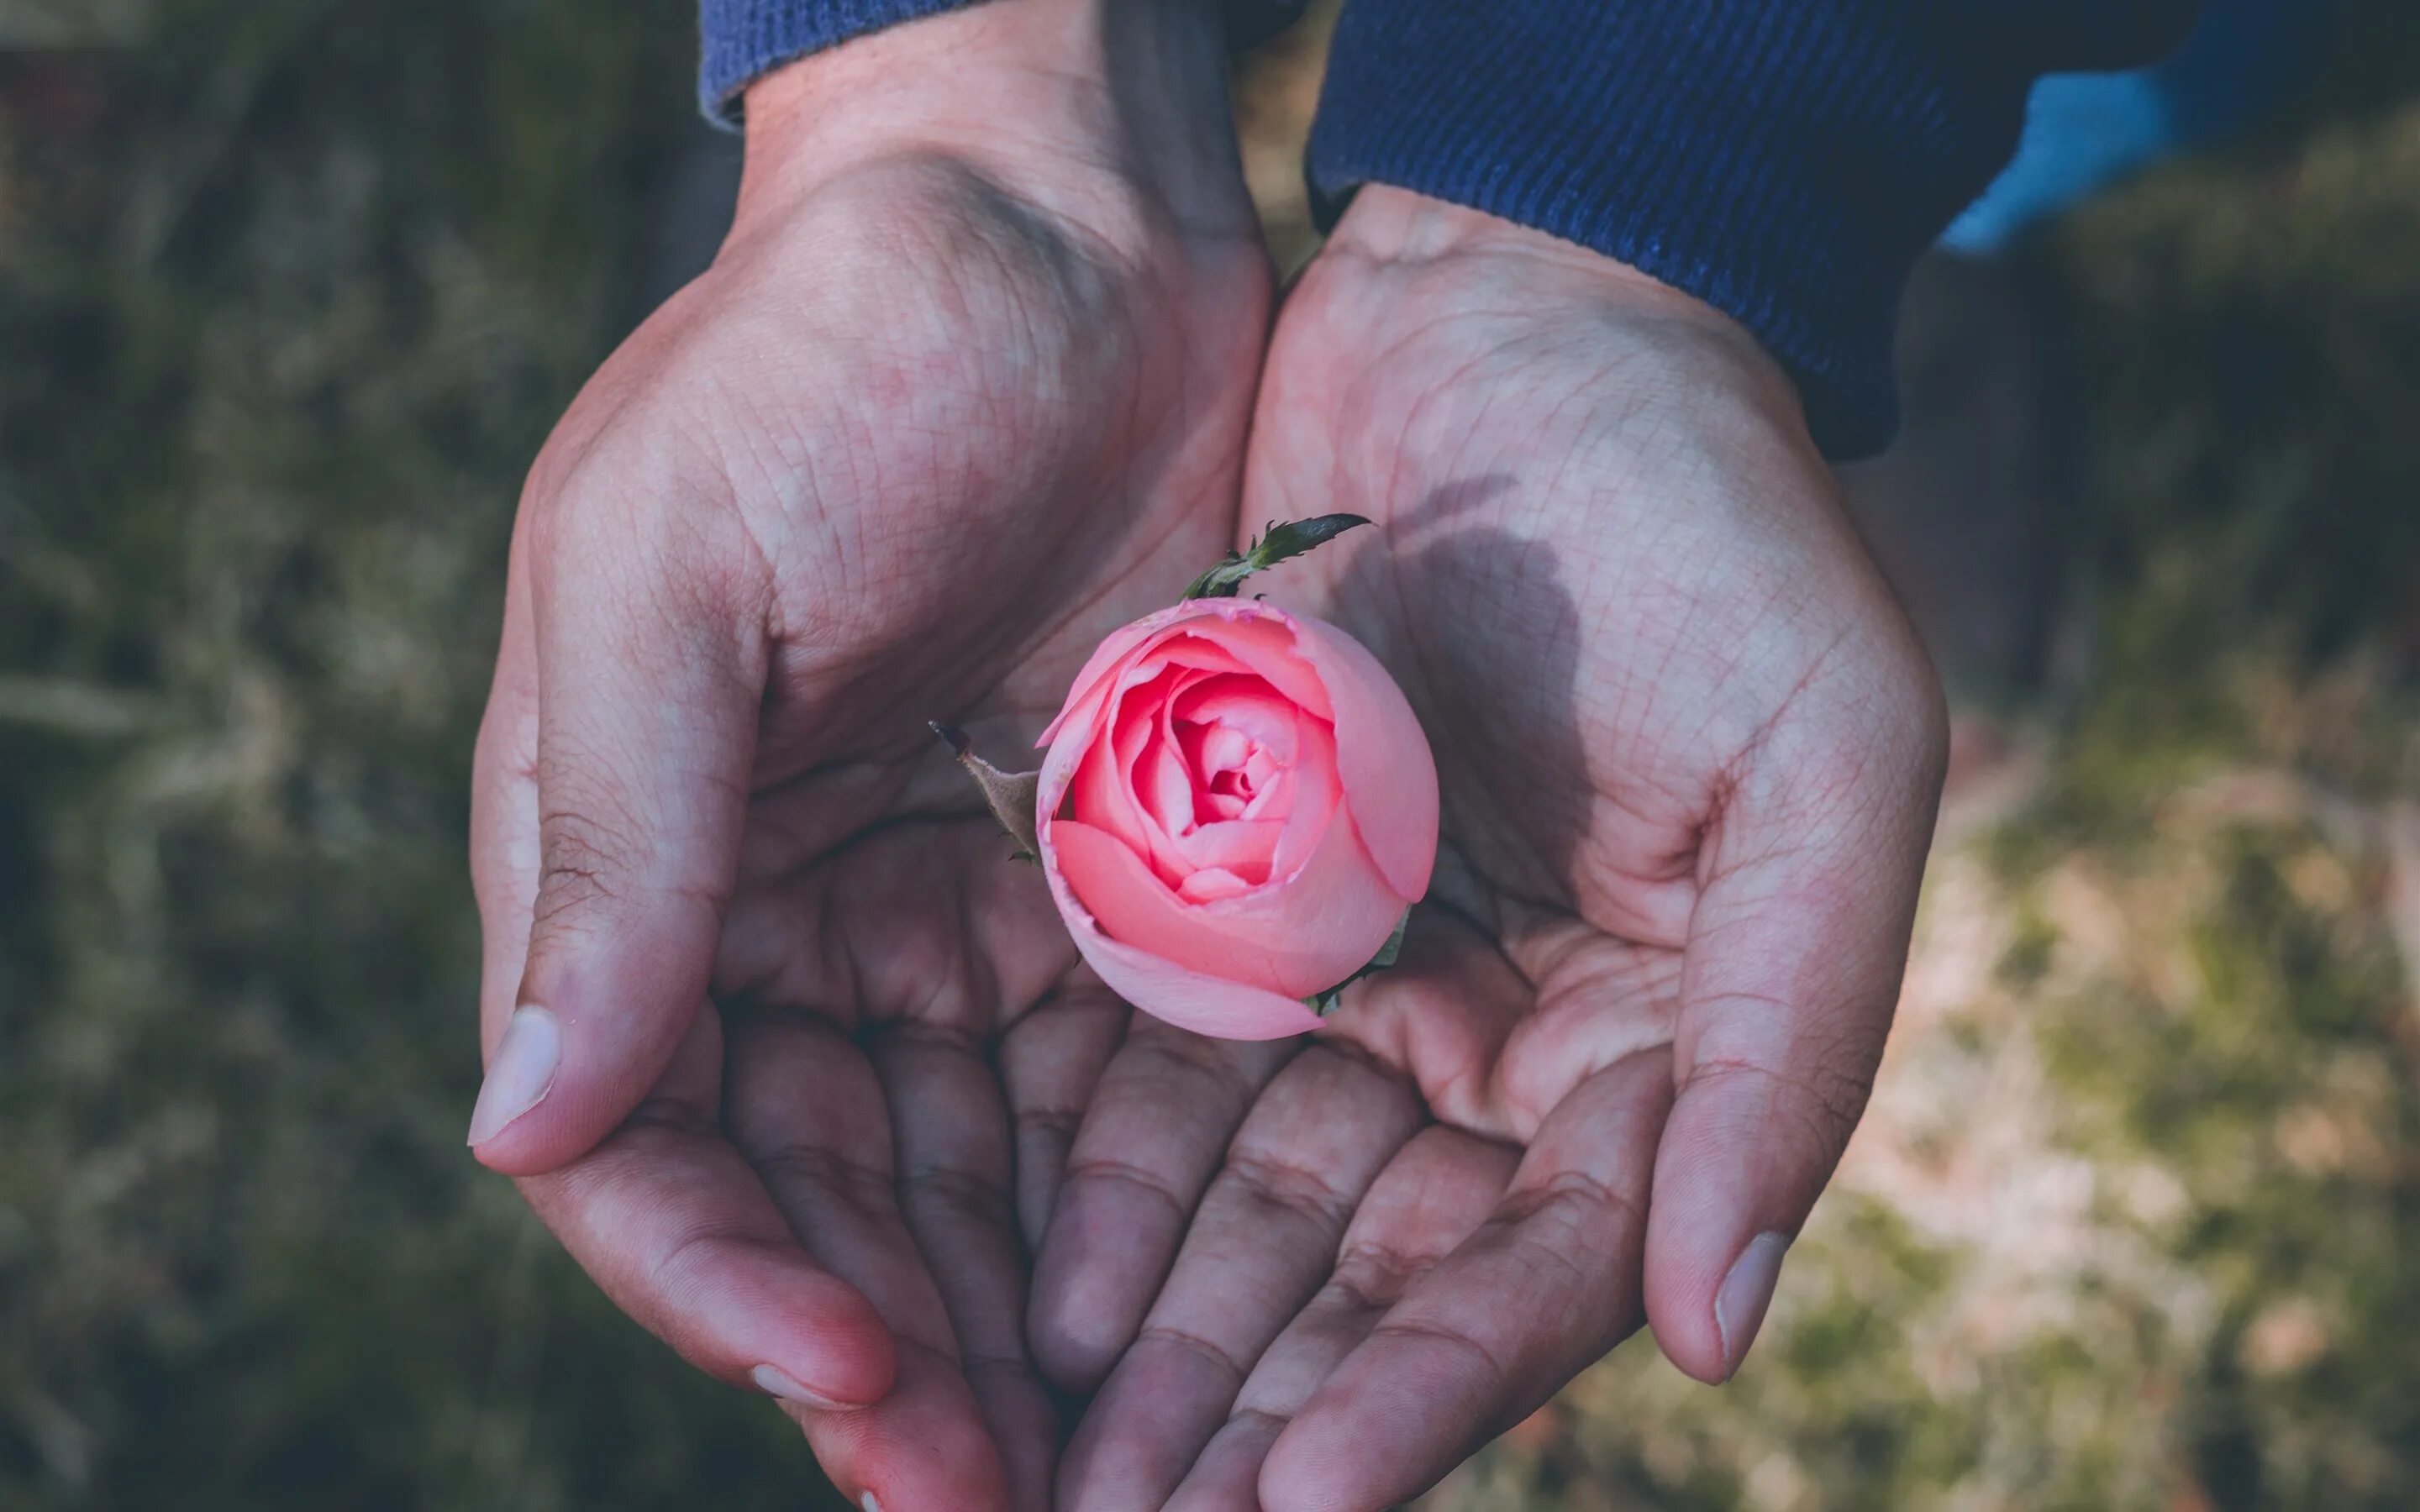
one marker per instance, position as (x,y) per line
(740,40)
(1785,160)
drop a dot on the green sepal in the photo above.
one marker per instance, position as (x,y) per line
(1290,539)
(1324,1003)
(1011,795)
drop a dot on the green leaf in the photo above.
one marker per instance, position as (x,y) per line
(1012,795)
(1393,948)
(1290,539)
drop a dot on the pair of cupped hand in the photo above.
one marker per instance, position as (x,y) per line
(804,1070)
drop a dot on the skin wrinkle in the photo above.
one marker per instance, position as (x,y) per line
(1258,1417)
(1842,1098)
(1294,1189)
(963,1192)
(1060,1121)
(1370,1277)
(1489,1371)
(1105,1168)
(866,1188)
(1202,1348)
(878,481)
(682,1254)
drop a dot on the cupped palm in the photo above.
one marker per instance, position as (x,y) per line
(1688,753)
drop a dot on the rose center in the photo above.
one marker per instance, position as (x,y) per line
(1230,769)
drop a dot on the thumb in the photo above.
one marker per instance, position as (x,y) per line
(650,649)
(1793,961)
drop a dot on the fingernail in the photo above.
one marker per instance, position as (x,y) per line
(520,1073)
(1739,1307)
(786,1386)
(868,1502)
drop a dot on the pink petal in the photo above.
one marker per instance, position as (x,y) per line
(1218,748)
(1305,796)
(1228,633)
(1186,649)
(1332,913)
(1164,786)
(1245,706)
(1211,883)
(1190,999)
(1244,846)
(1295,936)
(1093,680)
(1262,637)
(1291,946)
(1259,770)
(1106,799)
(1382,757)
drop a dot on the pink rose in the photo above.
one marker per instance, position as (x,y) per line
(1237,807)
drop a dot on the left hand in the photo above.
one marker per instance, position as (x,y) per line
(1690,753)
(767,1008)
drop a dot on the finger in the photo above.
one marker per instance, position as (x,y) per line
(1429,1199)
(1792,965)
(1543,1289)
(1157,1128)
(808,1112)
(950,1127)
(1264,1239)
(1051,1060)
(650,663)
(678,1229)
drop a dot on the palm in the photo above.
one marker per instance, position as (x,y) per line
(1616,592)
(950,442)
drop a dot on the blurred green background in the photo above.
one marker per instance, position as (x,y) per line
(290,293)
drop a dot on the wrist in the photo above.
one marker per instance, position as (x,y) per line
(1402,227)
(1414,257)
(1080,106)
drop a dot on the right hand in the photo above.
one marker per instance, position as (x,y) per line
(1688,752)
(766,1005)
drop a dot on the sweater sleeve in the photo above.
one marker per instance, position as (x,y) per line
(741,39)
(1785,160)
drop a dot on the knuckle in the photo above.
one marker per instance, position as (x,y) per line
(1823,1101)
(1105,1171)
(1481,1363)
(1287,1188)
(1572,1202)
(581,853)
(1371,1275)
(1174,1070)
(794,1166)
(1058,1123)
(669,1279)
(953,1191)
(1265,1421)
(1186,1342)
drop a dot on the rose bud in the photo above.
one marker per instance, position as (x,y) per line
(1237,809)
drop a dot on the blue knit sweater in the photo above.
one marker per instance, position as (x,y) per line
(1785,160)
